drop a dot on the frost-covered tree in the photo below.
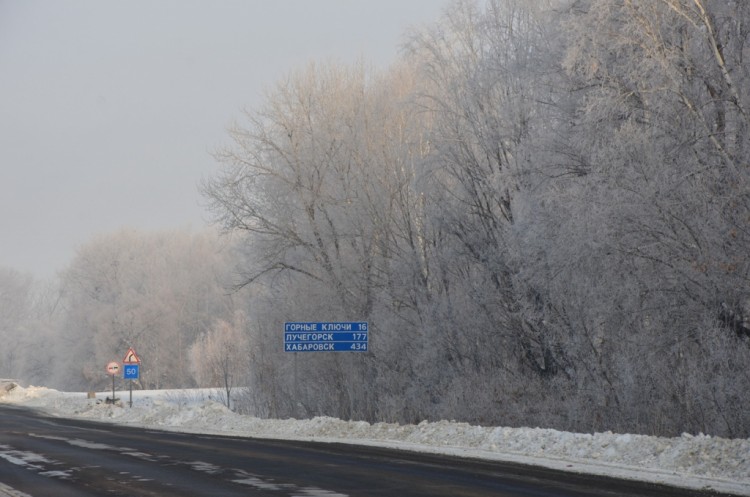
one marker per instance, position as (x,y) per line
(28,313)
(16,301)
(219,356)
(545,198)
(482,68)
(322,183)
(645,199)
(152,291)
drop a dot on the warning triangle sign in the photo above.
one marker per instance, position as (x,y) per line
(131,357)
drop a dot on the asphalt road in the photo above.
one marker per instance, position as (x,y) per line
(52,457)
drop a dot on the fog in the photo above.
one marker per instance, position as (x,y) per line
(109,110)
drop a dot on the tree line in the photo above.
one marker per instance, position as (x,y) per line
(542,210)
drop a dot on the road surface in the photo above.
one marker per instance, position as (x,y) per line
(52,457)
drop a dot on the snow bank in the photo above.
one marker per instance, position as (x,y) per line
(687,461)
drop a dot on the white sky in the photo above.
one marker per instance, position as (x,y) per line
(109,109)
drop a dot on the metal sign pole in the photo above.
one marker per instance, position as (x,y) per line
(131,371)
(113,368)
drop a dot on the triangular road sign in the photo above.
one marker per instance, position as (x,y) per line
(131,357)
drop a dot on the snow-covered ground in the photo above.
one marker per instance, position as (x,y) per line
(686,461)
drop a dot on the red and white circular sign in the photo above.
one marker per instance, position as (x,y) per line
(113,368)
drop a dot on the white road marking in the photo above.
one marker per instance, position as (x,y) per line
(6,491)
(29,459)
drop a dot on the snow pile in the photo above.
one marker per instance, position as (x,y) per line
(688,461)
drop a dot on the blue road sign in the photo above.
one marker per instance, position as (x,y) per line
(326,347)
(131,371)
(328,326)
(326,337)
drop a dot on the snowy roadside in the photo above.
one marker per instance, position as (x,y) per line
(701,462)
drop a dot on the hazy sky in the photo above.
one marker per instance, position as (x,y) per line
(109,109)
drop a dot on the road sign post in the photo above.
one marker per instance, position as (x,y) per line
(112,369)
(132,369)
